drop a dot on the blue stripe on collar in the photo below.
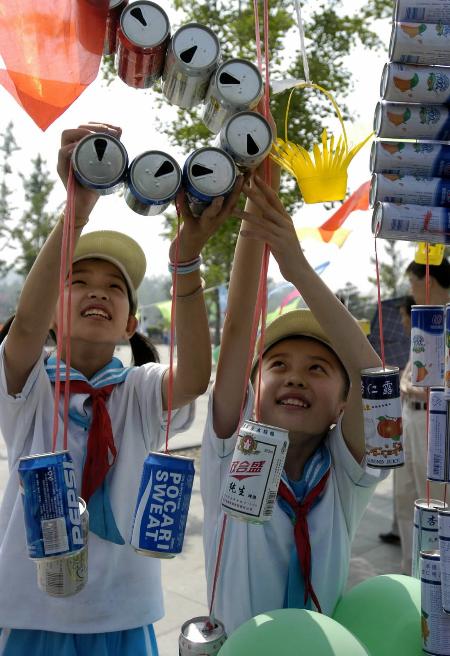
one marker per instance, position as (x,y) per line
(112,373)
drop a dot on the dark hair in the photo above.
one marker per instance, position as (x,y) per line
(406,304)
(142,348)
(440,272)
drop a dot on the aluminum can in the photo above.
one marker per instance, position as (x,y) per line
(100,163)
(192,57)
(153,180)
(412,121)
(422,11)
(427,345)
(116,8)
(50,503)
(420,43)
(380,391)
(409,189)
(64,576)
(199,637)
(251,487)
(162,505)
(411,223)
(142,40)
(247,137)
(236,86)
(417,84)
(425,530)
(402,158)
(207,173)
(444,549)
(447,353)
(438,446)
(435,623)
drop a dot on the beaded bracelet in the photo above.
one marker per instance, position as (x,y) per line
(196,292)
(184,268)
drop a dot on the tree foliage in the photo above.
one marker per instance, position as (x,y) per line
(392,274)
(8,146)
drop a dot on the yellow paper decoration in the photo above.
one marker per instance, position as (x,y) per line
(435,253)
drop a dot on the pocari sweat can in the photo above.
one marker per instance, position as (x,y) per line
(50,502)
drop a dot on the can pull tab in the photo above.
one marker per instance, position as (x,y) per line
(100,148)
(252,146)
(188,55)
(226,78)
(139,16)
(165,168)
(198,171)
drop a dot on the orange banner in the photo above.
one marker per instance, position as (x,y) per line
(359,200)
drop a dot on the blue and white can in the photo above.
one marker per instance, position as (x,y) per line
(207,173)
(154,179)
(425,529)
(422,11)
(50,501)
(162,506)
(394,120)
(403,158)
(435,622)
(409,189)
(427,345)
(412,222)
(438,460)
(444,548)
(447,353)
(100,163)
(417,84)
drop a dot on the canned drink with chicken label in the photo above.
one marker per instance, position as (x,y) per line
(409,189)
(247,137)
(380,391)
(251,487)
(207,173)
(412,121)
(417,84)
(422,11)
(100,162)
(192,57)
(444,549)
(447,353)
(411,222)
(50,503)
(427,345)
(435,622)
(116,8)
(425,530)
(142,41)
(201,637)
(236,86)
(162,506)
(154,179)
(420,43)
(403,158)
(438,443)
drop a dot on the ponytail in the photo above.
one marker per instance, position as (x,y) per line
(143,350)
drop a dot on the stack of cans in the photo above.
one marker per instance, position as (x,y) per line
(410,181)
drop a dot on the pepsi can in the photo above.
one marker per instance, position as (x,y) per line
(412,121)
(235,87)
(207,173)
(201,636)
(435,623)
(422,11)
(427,345)
(420,43)
(153,181)
(192,57)
(50,503)
(409,189)
(100,163)
(162,505)
(142,40)
(425,529)
(418,84)
(438,443)
(412,223)
(115,10)
(403,158)
(247,137)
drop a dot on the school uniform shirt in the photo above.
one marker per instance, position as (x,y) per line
(255,558)
(124,588)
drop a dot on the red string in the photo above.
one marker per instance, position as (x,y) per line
(427,302)
(380,309)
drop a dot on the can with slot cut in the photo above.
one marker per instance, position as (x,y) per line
(435,622)
(420,43)
(192,57)
(438,459)
(207,173)
(247,137)
(427,345)
(153,181)
(412,121)
(142,40)
(115,10)
(417,84)
(409,189)
(411,222)
(100,163)
(422,11)
(201,637)
(403,158)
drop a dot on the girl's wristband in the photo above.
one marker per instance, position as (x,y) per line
(183,268)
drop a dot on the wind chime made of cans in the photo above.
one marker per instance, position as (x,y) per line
(56,518)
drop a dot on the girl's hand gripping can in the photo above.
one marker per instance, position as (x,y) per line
(420,43)
(412,223)
(412,121)
(422,11)
(116,8)
(380,391)
(403,158)
(425,530)
(142,41)
(207,173)
(162,506)
(418,84)
(100,163)
(192,57)
(153,181)
(199,638)
(236,86)
(438,460)
(247,137)
(435,623)
(409,189)
(251,488)
(427,345)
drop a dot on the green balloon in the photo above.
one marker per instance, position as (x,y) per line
(292,632)
(384,614)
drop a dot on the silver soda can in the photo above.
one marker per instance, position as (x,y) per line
(380,391)
(435,623)
(438,445)
(412,121)
(420,43)
(247,137)
(153,180)
(251,487)
(207,173)
(403,158)
(235,87)
(444,549)
(447,352)
(411,222)
(192,57)
(100,163)
(425,529)
(409,189)
(199,637)
(427,345)
(112,24)
(422,11)
(418,84)
(142,40)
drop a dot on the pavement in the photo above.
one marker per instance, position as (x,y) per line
(183,576)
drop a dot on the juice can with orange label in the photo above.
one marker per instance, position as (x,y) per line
(418,84)
(427,345)
(412,121)
(403,158)
(422,11)
(420,43)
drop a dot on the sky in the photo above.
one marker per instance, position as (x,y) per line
(134,109)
